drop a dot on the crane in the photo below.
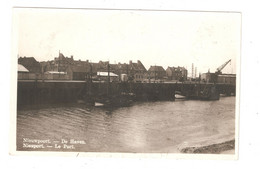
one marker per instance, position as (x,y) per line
(220,68)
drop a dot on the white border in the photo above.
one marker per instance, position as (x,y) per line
(249,115)
(13,133)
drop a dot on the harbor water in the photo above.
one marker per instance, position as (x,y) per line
(144,127)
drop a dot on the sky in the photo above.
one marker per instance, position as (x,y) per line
(162,38)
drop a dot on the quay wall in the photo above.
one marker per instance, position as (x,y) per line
(41,92)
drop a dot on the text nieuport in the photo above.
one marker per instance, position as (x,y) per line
(39,143)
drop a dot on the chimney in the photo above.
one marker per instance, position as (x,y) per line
(130,62)
(195,72)
(71,57)
(192,70)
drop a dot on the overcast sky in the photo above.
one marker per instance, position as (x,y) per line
(165,38)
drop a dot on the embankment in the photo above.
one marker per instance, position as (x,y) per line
(211,149)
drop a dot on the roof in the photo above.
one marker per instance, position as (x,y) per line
(95,67)
(123,66)
(106,74)
(62,57)
(137,66)
(21,68)
(80,62)
(104,65)
(132,66)
(55,72)
(227,75)
(30,64)
(156,68)
(178,68)
(113,66)
(171,68)
(208,73)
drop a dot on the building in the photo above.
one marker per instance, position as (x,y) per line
(77,72)
(103,76)
(23,73)
(22,69)
(209,77)
(176,73)
(65,68)
(106,66)
(62,63)
(227,79)
(59,64)
(54,75)
(135,72)
(156,72)
(122,69)
(30,64)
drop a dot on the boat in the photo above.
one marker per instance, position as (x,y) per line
(116,100)
(209,92)
(178,95)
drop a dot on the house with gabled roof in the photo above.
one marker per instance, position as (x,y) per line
(156,72)
(176,73)
(137,71)
(61,63)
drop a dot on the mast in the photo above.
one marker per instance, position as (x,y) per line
(89,94)
(59,62)
(90,80)
(155,73)
(108,78)
(192,70)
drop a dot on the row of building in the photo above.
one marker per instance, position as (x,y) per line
(66,68)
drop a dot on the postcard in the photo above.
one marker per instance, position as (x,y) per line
(109,82)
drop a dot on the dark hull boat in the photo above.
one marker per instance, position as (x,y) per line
(119,100)
(207,93)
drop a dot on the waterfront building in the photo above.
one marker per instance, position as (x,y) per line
(123,68)
(59,64)
(156,73)
(33,67)
(208,77)
(30,64)
(23,73)
(136,72)
(77,72)
(66,68)
(227,79)
(176,73)
(62,63)
(103,67)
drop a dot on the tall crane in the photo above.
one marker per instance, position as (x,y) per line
(220,68)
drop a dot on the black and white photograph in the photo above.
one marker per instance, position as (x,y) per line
(126,81)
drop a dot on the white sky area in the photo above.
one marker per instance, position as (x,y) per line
(165,38)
